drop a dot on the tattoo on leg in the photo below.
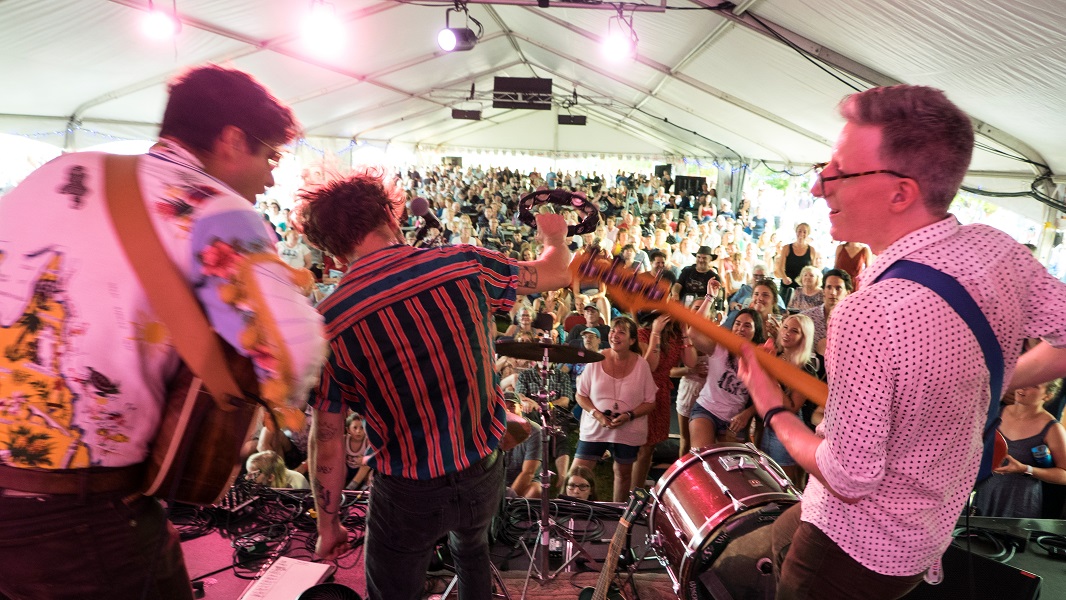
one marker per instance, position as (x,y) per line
(324,469)
(527,277)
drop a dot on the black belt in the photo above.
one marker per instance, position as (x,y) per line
(92,480)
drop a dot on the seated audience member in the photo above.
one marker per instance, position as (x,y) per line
(835,287)
(267,468)
(580,484)
(1036,444)
(809,292)
(355,449)
(522,463)
(593,320)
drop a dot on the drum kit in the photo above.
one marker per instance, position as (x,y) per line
(708,516)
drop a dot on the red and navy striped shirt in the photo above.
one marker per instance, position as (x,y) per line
(411,339)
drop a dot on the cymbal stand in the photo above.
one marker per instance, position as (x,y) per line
(538,558)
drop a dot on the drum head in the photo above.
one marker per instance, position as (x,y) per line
(707,501)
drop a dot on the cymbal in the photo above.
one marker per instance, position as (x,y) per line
(557,353)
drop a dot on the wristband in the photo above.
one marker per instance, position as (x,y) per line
(1029,470)
(632,416)
(770,414)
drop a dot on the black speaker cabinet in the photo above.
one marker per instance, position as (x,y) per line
(991,580)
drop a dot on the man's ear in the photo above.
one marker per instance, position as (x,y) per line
(231,142)
(906,196)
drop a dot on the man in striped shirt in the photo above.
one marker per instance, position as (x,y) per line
(411,339)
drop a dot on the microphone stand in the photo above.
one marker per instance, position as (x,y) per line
(538,559)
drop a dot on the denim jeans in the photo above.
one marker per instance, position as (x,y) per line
(809,565)
(407,517)
(66,547)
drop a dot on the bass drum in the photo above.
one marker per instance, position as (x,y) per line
(708,499)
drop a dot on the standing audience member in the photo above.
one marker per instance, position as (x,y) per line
(616,394)
(411,332)
(1036,446)
(795,345)
(692,282)
(693,377)
(662,344)
(723,408)
(792,258)
(72,521)
(853,258)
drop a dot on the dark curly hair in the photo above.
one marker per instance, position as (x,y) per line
(337,216)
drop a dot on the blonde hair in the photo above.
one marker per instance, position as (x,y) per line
(806,326)
(813,270)
(268,463)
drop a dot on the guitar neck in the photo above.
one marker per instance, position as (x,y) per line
(783,371)
(603,583)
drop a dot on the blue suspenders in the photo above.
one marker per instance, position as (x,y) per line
(960,300)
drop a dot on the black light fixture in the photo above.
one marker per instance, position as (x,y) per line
(458,39)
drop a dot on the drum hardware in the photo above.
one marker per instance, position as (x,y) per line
(547,529)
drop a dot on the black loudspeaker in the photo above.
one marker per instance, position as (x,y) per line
(991,579)
(688,186)
(572,119)
(522,92)
(469,115)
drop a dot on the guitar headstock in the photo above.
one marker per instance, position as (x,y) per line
(638,500)
(631,290)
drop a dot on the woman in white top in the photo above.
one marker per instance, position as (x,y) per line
(615,395)
(268,468)
(293,252)
(723,408)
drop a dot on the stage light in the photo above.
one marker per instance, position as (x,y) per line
(323,32)
(458,39)
(159,24)
(621,40)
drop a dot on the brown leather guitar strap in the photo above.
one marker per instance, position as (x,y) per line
(168,291)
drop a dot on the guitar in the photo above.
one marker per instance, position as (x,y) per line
(197,453)
(604,590)
(643,291)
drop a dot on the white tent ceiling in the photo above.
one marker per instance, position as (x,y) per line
(760,80)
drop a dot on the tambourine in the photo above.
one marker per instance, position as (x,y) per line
(576,200)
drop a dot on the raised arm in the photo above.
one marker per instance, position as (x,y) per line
(549,271)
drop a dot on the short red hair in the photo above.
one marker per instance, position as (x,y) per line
(337,216)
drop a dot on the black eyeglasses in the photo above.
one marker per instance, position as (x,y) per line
(823,179)
(577,486)
(274,157)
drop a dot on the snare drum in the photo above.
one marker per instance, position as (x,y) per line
(707,499)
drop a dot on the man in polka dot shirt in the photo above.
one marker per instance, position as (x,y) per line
(898,451)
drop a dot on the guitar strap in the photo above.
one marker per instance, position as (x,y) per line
(948,288)
(167,290)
